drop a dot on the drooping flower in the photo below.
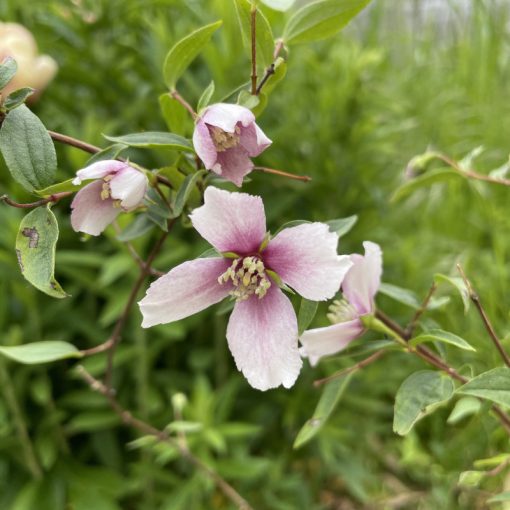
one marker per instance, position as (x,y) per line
(34,70)
(359,288)
(226,137)
(262,331)
(117,187)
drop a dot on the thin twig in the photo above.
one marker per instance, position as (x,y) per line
(362,364)
(281,173)
(51,199)
(485,318)
(146,428)
(74,142)
(268,73)
(254,50)
(423,308)
(184,103)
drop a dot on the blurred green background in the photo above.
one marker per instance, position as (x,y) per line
(351,112)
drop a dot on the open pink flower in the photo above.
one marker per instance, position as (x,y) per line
(117,187)
(359,288)
(226,137)
(262,331)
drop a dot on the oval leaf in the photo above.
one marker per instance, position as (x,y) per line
(185,51)
(330,397)
(8,69)
(153,140)
(17,98)
(459,284)
(321,19)
(185,191)
(28,149)
(35,249)
(438,335)
(307,311)
(419,395)
(206,96)
(342,225)
(465,407)
(40,352)
(493,385)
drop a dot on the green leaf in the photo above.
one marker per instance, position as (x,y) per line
(8,69)
(419,395)
(279,5)
(493,385)
(459,284)
(40,352)
(110,152)
(491,462)
(28,149)
(60,187)
(153,140)
(342,225)
(263,33)
(404,296)
(333,392)
(321,19)
(185,191)
(248,100)
(137,228)
(35,248)
(280,71)
(471,478)
(427,179)
(498,498)
(185,51)
(17,98)
(185,427)
(206,96)
(438,335)
(176,117)
(307,311)
(464,407)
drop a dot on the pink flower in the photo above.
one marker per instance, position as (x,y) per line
(226,137)
(262,331)
(359,288)
(117,187)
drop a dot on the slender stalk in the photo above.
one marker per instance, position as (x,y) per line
(184,103)
(271,69)
(281,173)
(254,50)
(475,298)
(146,428)
(278,48)
(74,142)
(423,308)
(51,199)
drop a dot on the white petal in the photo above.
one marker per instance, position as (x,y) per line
(129,186)
(226,116)
(98,170)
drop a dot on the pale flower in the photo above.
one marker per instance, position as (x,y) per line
(117,188)
(359,288)
(262,331)
(226,137)
(34,70)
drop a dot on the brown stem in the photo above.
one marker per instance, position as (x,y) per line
(254,50)
(184,103)
(146,428)
(69,140)
(485,318)
(423,308)
(51,199)
(363,363)
(269,72)
(390,323)
(281,173)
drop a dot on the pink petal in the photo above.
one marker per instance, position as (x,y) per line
(231,221)
(98,170)
(254,140)
(186,289)
(91,214)
(305,257)
(129,186)
(226,116)
(233,164)
(204,146)
(262,336)
(364,278)
(329,340)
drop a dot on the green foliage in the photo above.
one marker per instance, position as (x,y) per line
(8,69)
(493,385)
(17,98)
(153,140)
(307,311)
(40,352)
(438,335)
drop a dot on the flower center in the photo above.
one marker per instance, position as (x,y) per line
(248,277)
(224,140)
(341,311)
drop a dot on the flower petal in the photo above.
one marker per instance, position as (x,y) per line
(329,340)
(98,170)
(129,186)
(91,214)
(305,257)
(254,140)
(204,146)
(262,336)
(231,221)
(364,278)
(226,116)
(233,164)
(185,290)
